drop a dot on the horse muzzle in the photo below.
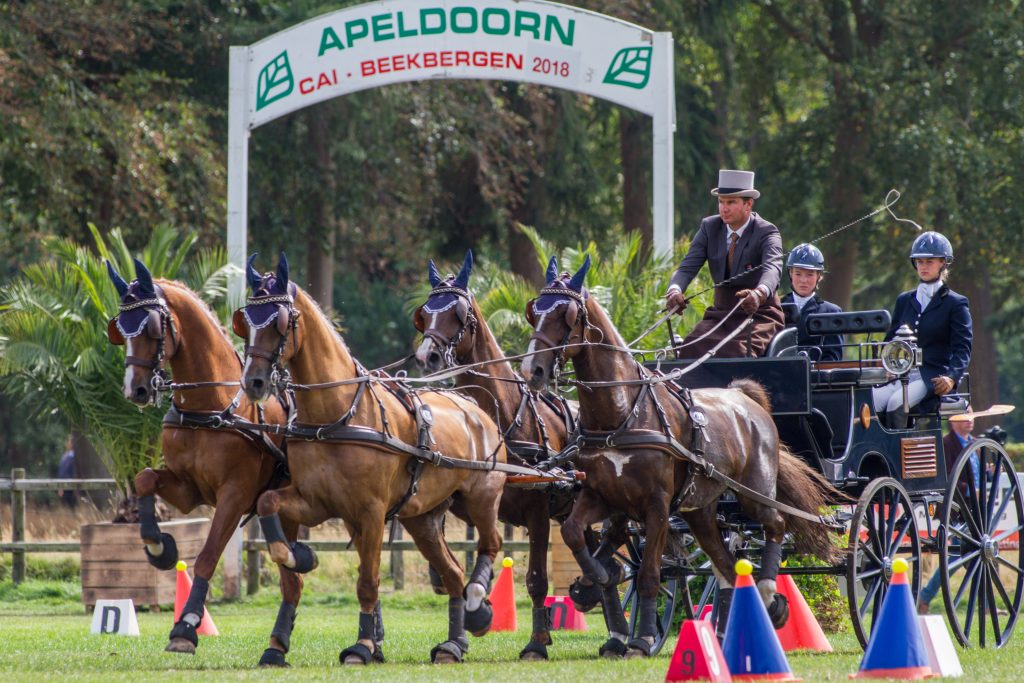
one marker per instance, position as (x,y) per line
(256,383)
(536,372)
(429,357)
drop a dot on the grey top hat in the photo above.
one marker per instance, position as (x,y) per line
(736,184)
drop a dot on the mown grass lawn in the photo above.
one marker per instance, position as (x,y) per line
(45,636)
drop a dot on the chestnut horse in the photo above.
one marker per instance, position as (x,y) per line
(535,427)
(164,322)
(361,458)
(640,441)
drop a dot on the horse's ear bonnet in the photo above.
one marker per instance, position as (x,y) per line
(256,315)
(134,321)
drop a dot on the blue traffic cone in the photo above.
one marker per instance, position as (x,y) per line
(751,648)
(896,648)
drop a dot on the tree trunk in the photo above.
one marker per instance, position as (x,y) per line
(522,257)
(975,283)
(322,234)
(636,190)
(845,195)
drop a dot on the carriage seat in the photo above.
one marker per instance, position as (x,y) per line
(847,373)
(784,343)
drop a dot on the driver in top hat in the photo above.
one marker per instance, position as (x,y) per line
(744,254)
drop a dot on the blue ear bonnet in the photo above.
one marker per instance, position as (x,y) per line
(548,302)
(132,323)
(260,314)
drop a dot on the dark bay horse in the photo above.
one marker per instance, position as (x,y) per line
(635,430)
(535,427)
(361,458)
(165,322)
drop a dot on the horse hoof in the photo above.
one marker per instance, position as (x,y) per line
(273,659)
(168,557)
(584,598)
(181,646)
(778,611)
(478,622)
(532,657)
(305,558)
(354,660)
(445,658)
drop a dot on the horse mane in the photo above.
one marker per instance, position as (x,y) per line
(202,305)
(753,390)
(328,323)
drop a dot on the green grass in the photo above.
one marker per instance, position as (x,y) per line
(45,636)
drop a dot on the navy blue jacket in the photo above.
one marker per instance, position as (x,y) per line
(943,333)
(830,346)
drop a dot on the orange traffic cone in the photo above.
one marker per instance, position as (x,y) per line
(181,590)
(802,631)
(503,599)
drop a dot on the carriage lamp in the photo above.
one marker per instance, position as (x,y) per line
(899,356)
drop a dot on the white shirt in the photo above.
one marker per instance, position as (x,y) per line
(925,292)
(801,301)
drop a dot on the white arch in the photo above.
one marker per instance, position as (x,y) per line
(395,41)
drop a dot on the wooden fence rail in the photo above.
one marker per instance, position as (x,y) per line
(18,547)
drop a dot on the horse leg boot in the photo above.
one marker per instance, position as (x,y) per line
(274,656)
(296,556)
(478,608)
(161,550)
(538,527)
(453,650)
(777,605)
(184,631)
(371,627)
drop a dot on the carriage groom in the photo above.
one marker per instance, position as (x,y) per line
(744,254)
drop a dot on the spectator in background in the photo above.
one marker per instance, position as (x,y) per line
(68,469)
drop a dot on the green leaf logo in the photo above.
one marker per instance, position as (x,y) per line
(631,67)
(275,81)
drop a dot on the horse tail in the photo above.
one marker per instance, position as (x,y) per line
(754,391)
(805,488)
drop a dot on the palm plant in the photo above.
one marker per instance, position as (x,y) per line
(54,353)
(628,282)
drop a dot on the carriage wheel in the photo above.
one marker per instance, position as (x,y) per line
(982,581)
(883,526)
(669,594)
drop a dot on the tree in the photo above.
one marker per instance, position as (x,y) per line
(54,352)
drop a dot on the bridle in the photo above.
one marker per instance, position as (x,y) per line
(463,311)
(287,322)
(158,321)
(575,312)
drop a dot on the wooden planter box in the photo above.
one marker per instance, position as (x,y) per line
(114,564)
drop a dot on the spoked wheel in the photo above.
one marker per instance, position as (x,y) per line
(883,527)
(981,581)
(669,593)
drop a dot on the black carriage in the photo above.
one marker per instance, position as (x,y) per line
(902,501)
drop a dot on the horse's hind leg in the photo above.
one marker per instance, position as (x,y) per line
(230,508)
(539,528)
(481,500)
(291,592)
(588,509)
(649,575)
(286,503)
(704,526)
(771,559)
(368,536)
(161,550)
(425,530)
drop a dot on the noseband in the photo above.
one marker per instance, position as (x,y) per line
(287,322)
(467,320)
(575,312)
(160,320)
